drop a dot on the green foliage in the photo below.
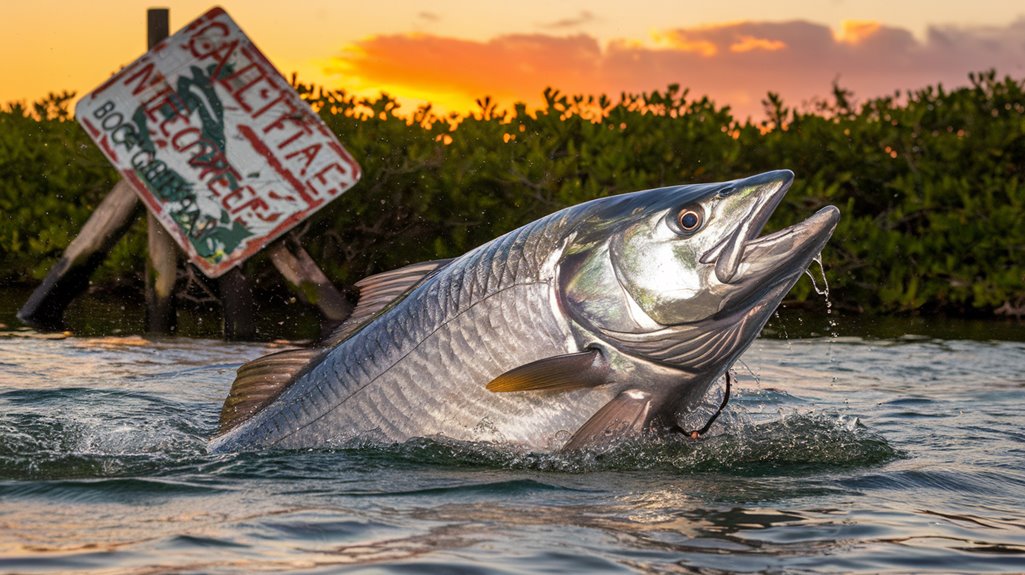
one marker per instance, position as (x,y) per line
(931,183)
(51,178)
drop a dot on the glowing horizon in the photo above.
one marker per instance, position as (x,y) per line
(458,52)
(735,64)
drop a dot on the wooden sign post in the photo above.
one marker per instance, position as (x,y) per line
(226,157)
(69,277)
(161,253)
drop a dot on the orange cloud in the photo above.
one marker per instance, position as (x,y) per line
(734,64)
(856,31)
(679,41)
(750,43)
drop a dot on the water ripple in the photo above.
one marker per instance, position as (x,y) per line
(837,455)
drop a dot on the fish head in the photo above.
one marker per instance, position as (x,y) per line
(678,277)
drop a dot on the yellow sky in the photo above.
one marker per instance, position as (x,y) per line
(450,51)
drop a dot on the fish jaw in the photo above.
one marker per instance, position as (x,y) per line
(689,343)
(773,263)
(764,193)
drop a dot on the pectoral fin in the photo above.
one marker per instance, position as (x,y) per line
(627,414)
(559,373)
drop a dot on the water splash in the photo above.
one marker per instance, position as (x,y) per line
(804,440)
(824,292)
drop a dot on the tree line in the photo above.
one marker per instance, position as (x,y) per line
(930,182)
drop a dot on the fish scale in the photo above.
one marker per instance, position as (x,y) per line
(484,314)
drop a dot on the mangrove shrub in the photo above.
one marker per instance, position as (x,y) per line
(931,182)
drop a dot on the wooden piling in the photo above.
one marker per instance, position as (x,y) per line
(158,26)
(236,296)
(44,309)
(162,258)
(161,274)
(307,280)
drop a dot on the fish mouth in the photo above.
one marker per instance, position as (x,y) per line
(756,273)
(751,263)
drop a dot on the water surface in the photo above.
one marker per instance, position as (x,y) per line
(837,454)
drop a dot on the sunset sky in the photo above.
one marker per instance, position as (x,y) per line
(452,51)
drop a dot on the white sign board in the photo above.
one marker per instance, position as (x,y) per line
(216,142)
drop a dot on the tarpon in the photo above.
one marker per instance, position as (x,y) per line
(606,319)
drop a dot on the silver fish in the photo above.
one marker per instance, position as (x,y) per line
(606,319)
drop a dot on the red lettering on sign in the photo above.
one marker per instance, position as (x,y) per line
(222,184)
(142,78)
(187,138)
(207,39)
(158,102)
(93,132)
(254,89)
(237,196)
(172,125)
(215,165)
(284,162)
(211,42)
(261,149)
(292,123)
(309,152)
(257,207)
(323,183)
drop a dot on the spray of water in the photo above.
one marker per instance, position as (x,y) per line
(824,292)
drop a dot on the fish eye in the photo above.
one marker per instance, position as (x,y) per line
(689,220)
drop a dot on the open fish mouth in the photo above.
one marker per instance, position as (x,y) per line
(791,249)
(769,189)
(757,271)
(756,266)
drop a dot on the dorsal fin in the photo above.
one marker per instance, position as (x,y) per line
(260,381)
(378,293)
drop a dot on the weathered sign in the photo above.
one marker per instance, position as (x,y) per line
(218,145)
